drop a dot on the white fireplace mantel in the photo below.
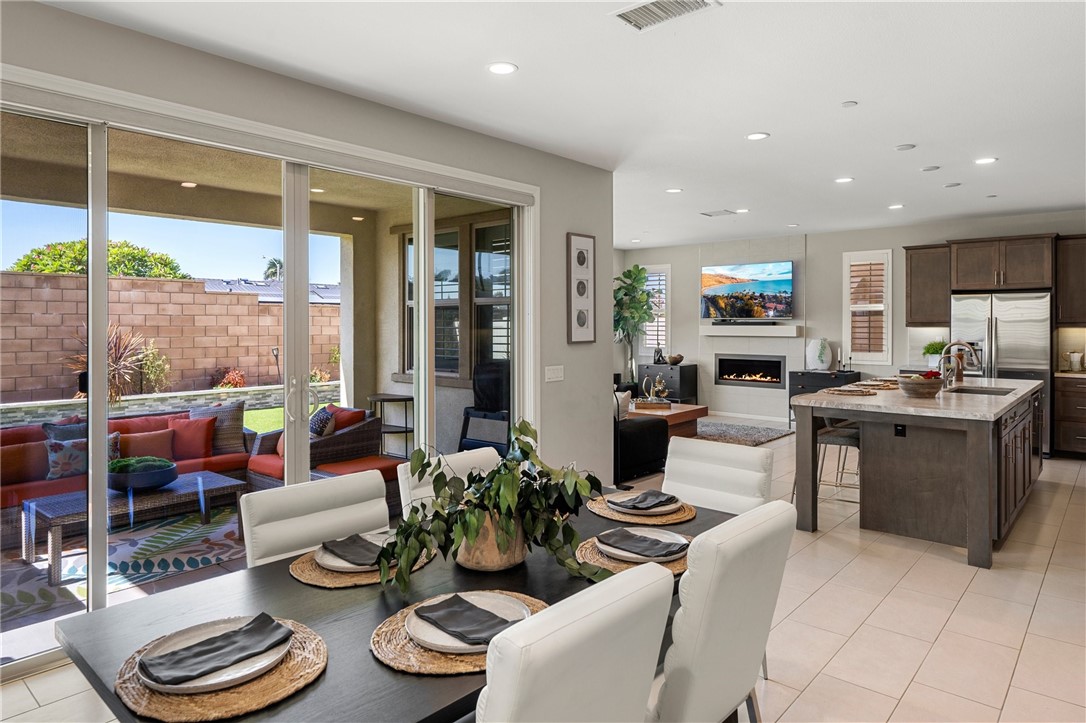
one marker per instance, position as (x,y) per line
(749,330)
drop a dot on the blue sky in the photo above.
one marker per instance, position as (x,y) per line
(766,271)
(204,250)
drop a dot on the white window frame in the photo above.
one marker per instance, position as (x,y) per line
(643,347)
(848,258)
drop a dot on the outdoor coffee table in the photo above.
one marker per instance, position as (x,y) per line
(57,511)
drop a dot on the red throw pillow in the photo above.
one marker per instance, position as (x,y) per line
(192,437)
(150,423)
(345,416)
(148,444)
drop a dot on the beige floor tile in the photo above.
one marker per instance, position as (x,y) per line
(1008,583)
(836,608)
(1034,534)
(1023,706)
(773,699)
(989,618)
(808,572)
(1053,668)
(1065,582)
(797,652)
(937,576)
(923,703)
(872,572)
(912,613)
(1078,497)
(15,698)
(1074,531)
(57,683)
(895,547)
(788,600)
(1022,555)
(969,667)
(1049,499)
(879,660)
(1042,515)
(830,699)
(1059,618)
(85,707)
(1069,554)
(801,539)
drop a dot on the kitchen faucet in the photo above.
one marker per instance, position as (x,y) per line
(954,362)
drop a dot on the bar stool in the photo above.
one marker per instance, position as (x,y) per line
(844,435)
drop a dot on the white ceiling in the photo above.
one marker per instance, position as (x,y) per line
(670,107)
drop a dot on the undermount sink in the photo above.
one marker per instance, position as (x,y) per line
(990,391)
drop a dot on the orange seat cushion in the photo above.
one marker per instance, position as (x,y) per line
(13,495)
(148,444)
(269,465)
(385,465)
(219,463)
(21,435)
(192,437)
(25,462)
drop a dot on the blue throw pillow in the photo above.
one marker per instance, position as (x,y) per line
(322,423)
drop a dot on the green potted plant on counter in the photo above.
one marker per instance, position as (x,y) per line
(933,350)
(489,521)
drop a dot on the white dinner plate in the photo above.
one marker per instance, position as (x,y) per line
(661,510)
(870,383)
(228,677)
(653,532)
(328,561)
(434,638)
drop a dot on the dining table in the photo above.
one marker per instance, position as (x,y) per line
(355,685)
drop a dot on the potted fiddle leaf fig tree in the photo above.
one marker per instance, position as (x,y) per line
(633,309)
(489,521)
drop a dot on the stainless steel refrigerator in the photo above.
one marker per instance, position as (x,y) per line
(1012,334)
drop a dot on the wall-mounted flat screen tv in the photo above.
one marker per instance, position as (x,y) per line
(747,291)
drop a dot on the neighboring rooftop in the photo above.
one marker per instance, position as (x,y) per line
(271,291)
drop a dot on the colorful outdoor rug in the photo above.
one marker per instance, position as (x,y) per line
(142,554)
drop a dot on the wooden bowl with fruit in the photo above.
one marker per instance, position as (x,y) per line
(922,386)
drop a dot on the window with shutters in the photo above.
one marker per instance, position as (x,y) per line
(656,331)
(867,297)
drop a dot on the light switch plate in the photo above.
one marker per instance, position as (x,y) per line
(555,373)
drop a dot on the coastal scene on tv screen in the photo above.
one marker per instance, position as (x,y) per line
(747,291)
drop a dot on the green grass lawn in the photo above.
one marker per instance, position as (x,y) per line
(264,420)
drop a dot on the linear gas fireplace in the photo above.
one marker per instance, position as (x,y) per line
(751,370)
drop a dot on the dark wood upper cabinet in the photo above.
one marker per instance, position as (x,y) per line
(1071,280)
(927,285)
(996,264)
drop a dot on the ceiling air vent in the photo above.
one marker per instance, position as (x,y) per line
(649,15)
(721,212)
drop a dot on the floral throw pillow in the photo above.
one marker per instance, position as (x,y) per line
(67,458)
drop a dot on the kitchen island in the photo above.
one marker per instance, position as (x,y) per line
(955,469)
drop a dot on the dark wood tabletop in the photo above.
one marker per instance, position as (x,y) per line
(355,685)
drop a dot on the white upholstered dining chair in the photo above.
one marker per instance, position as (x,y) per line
(726,601)
(725,477)
(412,491)
(590,657)
(290,520)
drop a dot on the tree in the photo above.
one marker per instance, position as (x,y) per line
(633,309)
(274,270)
(125,259)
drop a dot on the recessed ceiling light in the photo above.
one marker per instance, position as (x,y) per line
(742,210)
(991,195)
(930,168)
(358,218)
(317,190)
(502,68)
(896,206)
(793,225)
(635,240)
(846,179)
(849,104)
(188,184)
(985,161)
(759,136)
(951,185)
(673,190)
(905,147)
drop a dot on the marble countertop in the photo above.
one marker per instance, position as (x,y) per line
(948,404)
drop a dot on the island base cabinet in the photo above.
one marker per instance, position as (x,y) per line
(1016,465)
(924,497)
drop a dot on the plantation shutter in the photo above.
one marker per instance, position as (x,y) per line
(868,294)
(656,330)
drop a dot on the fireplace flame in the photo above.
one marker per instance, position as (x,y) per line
(759,377)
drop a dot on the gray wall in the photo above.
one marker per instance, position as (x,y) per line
(573,419)
(818,295)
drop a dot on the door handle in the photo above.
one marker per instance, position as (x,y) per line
(995,277)
(314,398)
(290,396)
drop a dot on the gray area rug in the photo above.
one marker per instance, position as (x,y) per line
(739,433)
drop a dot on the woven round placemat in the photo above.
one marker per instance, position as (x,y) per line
(305,660)
(588,552)
(392,645)
(305,569)
(849,392)
(599,506)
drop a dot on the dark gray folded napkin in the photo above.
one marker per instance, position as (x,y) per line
(647,500)
(354,549)
(622,539)
(194,661)
(463,620)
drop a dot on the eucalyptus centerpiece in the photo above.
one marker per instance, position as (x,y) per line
(522,498)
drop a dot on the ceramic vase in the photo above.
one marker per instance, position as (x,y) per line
(819,354)
(484,554)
